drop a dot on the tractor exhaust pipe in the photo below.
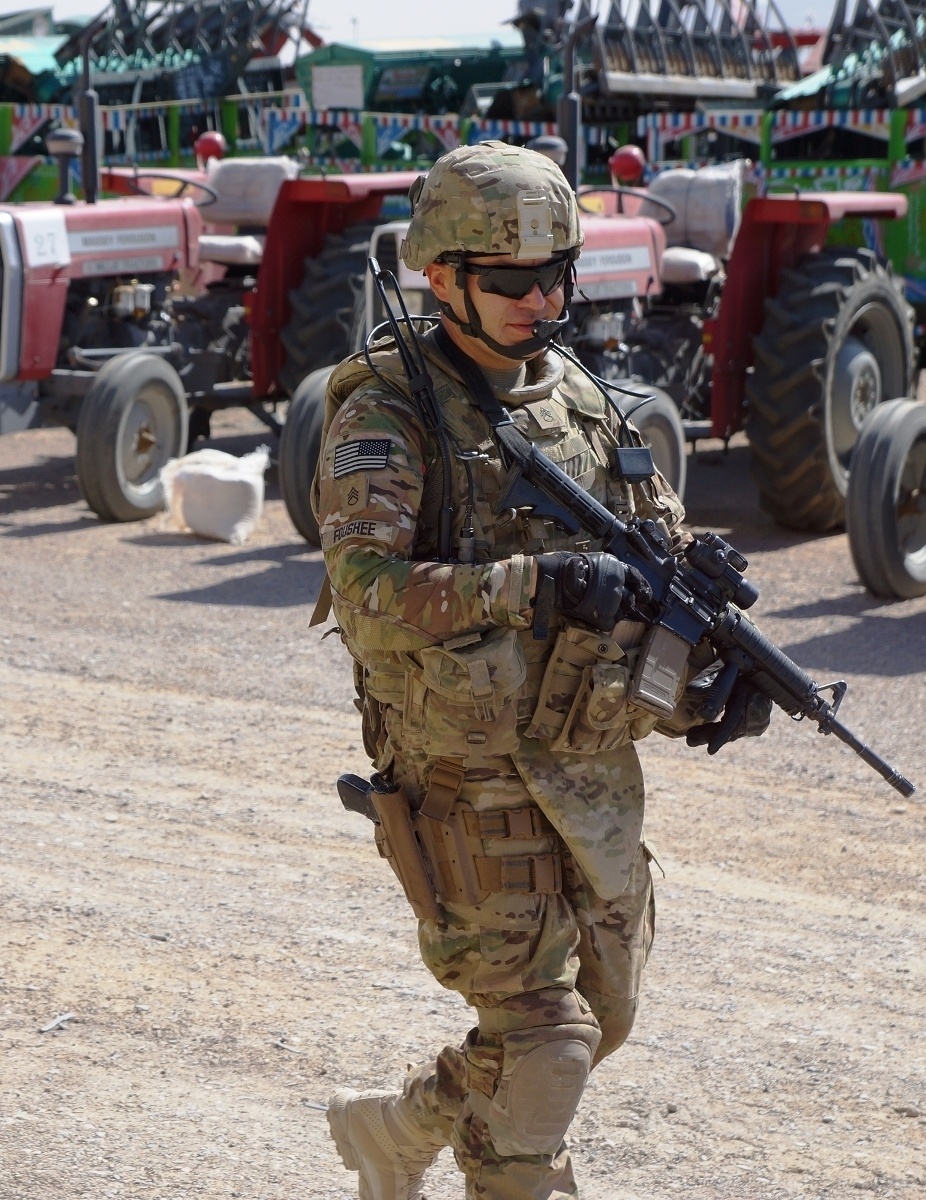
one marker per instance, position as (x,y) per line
(88,109)
(569,105)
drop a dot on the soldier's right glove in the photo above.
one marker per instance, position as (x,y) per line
(595,588)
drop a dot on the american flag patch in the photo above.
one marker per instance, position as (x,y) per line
(369,455)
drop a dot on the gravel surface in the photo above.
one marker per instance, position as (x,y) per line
(179,882)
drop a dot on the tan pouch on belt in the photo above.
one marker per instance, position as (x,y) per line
(462,700)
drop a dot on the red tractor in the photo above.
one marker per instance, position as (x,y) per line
(725,317)
(130,323)
(124,321)
(760,324)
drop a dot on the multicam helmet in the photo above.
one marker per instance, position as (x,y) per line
(491,199)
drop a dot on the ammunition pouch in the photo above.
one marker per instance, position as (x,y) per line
(585,704)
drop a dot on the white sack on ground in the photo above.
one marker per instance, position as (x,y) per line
(214,494)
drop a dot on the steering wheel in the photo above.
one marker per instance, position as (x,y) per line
(666,217)
(211,195)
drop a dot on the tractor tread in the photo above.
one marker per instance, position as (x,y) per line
(788,394)
(775,312)
(318,333)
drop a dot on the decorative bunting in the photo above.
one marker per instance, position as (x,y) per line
(481,129)
(13,170)
(875,122)
(278,127)
(28,119)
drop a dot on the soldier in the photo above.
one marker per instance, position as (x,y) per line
(506,721)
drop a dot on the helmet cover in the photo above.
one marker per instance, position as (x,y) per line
(491,198)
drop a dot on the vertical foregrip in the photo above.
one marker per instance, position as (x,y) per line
(782,680)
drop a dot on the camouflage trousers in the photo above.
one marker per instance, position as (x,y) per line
(537,969)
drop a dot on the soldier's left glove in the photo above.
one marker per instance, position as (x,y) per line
(747,714)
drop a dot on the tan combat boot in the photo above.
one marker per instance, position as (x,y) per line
(374,1137)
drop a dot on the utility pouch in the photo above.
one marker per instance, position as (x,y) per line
(582,707)
(382,686)
(462,700)
(659,676)
(398,844)
(464,874)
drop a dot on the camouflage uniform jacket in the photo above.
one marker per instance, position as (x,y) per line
(446,658)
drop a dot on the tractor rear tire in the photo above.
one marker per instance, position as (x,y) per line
(886,501)
(132,421)
(660,425)
(300,446)
(836,342)
(319,332)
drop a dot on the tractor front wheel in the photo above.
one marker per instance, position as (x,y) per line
(836,342)
(300,446)
(132,421)
(657,418)
(886,501)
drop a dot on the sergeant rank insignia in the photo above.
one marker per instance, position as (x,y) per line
(366,455)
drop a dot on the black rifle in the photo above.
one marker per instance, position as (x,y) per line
(699,596)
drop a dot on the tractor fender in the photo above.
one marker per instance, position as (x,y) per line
(812,208)
(306,210)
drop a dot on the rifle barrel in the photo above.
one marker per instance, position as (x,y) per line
(831,724)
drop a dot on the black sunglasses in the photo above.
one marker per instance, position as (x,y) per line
(514,283)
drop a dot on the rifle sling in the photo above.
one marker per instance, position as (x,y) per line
(484,398)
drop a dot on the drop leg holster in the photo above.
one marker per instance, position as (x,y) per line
(465,874)
(442,857)
(398,843)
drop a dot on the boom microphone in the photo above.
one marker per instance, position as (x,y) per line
(548,329)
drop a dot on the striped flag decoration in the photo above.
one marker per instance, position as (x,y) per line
(367,455)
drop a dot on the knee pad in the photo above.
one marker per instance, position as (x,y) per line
(539,1090)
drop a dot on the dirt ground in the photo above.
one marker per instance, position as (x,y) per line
(179,881)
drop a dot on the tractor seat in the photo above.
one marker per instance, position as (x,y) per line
(232,250)
(683,264)
(246,188)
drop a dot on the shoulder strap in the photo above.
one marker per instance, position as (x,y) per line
(477,384)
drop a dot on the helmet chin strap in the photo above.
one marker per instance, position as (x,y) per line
(543,332)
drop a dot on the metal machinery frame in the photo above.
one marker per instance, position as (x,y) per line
(170,33)
(702,49)
(878,52)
